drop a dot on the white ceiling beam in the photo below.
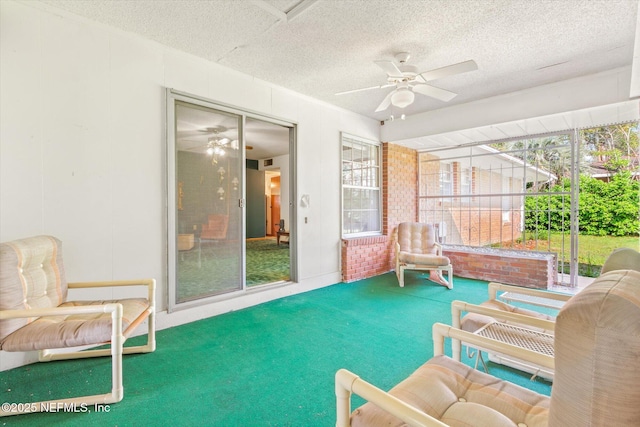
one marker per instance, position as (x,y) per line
(262,4)
(609,87)
(299,8)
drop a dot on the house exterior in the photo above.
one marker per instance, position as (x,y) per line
(475,195)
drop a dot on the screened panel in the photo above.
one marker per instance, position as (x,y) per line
(495,195)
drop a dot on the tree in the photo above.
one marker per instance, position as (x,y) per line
(616,147)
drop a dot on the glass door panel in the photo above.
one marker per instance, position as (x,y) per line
(208,186)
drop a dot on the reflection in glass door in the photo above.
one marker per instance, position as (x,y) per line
(207,218)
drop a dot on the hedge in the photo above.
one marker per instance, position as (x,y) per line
(605,208)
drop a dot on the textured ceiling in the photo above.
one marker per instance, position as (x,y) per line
(329,46)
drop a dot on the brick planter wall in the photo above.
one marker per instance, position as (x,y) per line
(364,257)
(522,268)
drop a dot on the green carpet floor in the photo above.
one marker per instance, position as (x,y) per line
(269,365)
(212,268)
(267,262)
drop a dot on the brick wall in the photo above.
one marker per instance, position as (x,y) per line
(484,226)
(369,256)
(399,186)
(533,269)
(365,257)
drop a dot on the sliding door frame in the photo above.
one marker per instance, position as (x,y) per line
(171,192)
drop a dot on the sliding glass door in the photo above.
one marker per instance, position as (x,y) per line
(205,223)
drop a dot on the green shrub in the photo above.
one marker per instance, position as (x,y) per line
(605,208)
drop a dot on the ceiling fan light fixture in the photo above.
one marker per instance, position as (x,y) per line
(402,98)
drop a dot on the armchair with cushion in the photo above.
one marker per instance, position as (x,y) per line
(597,372)
(215,228)
(36,315)
(417,249)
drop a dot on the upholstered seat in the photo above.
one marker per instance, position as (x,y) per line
(460,396)
(417,249)
(74,329)
(597,372)
(35,313)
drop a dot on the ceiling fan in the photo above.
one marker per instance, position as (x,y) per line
(407,80)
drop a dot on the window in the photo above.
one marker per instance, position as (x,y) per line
(445,179)
(465,181)
(360,186)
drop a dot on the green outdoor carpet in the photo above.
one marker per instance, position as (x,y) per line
(269,365)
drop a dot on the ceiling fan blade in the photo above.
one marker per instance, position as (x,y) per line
(449,70)
(365,88)
(385,102)
(434,92)
(390,68)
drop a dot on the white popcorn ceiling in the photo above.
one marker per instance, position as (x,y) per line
(330,46)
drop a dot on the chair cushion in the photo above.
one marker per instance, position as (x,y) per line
(622,259)
(416,237)
(53,332)
(597,355)
(472,321)
(423,259)
(31,276)
(460,396)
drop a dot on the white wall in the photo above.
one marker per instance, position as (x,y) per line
(82,145)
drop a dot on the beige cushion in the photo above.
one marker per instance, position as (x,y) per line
(460,397)
(622,259)
(597,355)
(417,245)
(32,276)
(69,331)
(417,238)
(422,259)
(472,321)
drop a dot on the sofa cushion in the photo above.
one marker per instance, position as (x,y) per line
(460,397)
(597,355)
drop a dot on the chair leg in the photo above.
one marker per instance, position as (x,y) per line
(401,276)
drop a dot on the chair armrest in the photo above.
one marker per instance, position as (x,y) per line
(457,307)
(60,311)
(438,248)
(347,383)
(442,331)
(494,288)
(149,283)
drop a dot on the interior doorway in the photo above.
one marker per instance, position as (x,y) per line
(274,202)
(269,255)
